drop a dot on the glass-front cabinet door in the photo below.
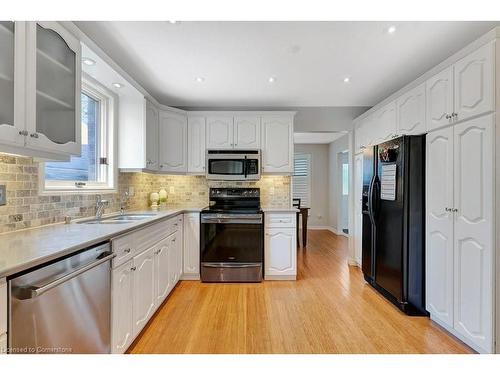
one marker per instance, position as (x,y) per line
(53,87)
(11,83)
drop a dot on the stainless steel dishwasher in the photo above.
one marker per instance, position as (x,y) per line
(63,307)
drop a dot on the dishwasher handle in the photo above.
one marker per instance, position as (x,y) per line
(32,291)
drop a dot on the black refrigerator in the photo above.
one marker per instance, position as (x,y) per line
(393,206)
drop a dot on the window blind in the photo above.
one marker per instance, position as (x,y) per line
(301,180)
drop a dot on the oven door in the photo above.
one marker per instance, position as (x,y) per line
(231,248)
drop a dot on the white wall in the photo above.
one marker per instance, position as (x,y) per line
(319,213)
(334,180)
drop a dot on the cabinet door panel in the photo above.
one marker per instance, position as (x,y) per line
(280,252)
(247,132)
(473,174)
(277,144)
(196,145)
(474,83)
(173,142)
(144,289)
(191,257)
(384,126)
(220,132)
(152,132)
(122,308)
(439,236)
(439,99)
(161,270)
(411,111)
(12,39)
(54,89)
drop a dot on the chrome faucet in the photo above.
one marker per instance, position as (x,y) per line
(124,202)
(100,204)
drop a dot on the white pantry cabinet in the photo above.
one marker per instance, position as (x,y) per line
(459,255)
(280,246)
(277,144)
(152,134)
(220,132)
(191,257)
(173,142)
(411,112)
(462,91)
(196,145)
(122,307)
(40,82)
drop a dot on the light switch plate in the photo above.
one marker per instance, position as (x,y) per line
(3,195)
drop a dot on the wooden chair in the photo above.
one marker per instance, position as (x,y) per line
(296,204)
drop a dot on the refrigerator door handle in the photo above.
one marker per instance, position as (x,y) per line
(370,200)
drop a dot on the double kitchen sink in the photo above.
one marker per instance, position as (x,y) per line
(118,219)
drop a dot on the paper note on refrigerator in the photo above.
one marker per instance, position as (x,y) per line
(388,182)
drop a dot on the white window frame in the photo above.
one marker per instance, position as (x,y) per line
(108,148)
(308,156)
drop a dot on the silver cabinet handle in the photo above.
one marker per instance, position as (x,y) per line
(133,268)
(29,292)
(34,135)
(126,251)
(455,210)
(448,116)
(23,133)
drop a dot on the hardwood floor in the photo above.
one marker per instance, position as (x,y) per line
(329,309)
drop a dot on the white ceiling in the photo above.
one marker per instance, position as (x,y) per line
(316,137)
(308,59)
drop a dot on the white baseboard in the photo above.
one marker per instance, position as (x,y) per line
(319,227)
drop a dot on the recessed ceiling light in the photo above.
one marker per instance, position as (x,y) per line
(272,79)
(391,29)
(118,85)
(173,22)
(88,61)
(347,80)
(200,79)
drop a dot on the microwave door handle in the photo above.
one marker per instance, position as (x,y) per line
(245,167)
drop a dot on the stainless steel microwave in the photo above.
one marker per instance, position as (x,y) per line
(233,165)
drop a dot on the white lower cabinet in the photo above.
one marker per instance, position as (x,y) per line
(140,284)
(144,289)
(280,247)
(3,343)
(191,256)
(121,307)
(3,316)
(459,234)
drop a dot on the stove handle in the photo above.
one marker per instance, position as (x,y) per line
(232,221)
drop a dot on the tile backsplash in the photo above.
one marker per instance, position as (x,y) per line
(26,208)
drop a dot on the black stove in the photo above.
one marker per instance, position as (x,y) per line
(232,236)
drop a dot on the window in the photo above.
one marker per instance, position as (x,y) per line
(345,179)
(94,169)
(301,180)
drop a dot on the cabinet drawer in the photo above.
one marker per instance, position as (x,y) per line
(3,306)
(280,220)
(124,248)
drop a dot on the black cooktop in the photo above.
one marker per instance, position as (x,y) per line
(234,200)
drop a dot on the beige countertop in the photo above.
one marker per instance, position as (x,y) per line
(23,249)
(277,210)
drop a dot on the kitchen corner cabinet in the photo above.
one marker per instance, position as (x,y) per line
(40,83)
(173,142)
(191,258)
(280,247)
(277,144)
(196,145)
(459,230)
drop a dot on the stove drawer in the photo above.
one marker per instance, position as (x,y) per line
(280,220)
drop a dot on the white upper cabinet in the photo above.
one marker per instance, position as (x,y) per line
(277,144)
(474,83)
(411,111)
(247,132)
(196,145)
(474,260)
(439,99)
(384,124)
(152,132)
(53,89)
(220,132)
(173,142)
(12,45)
(439,238)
